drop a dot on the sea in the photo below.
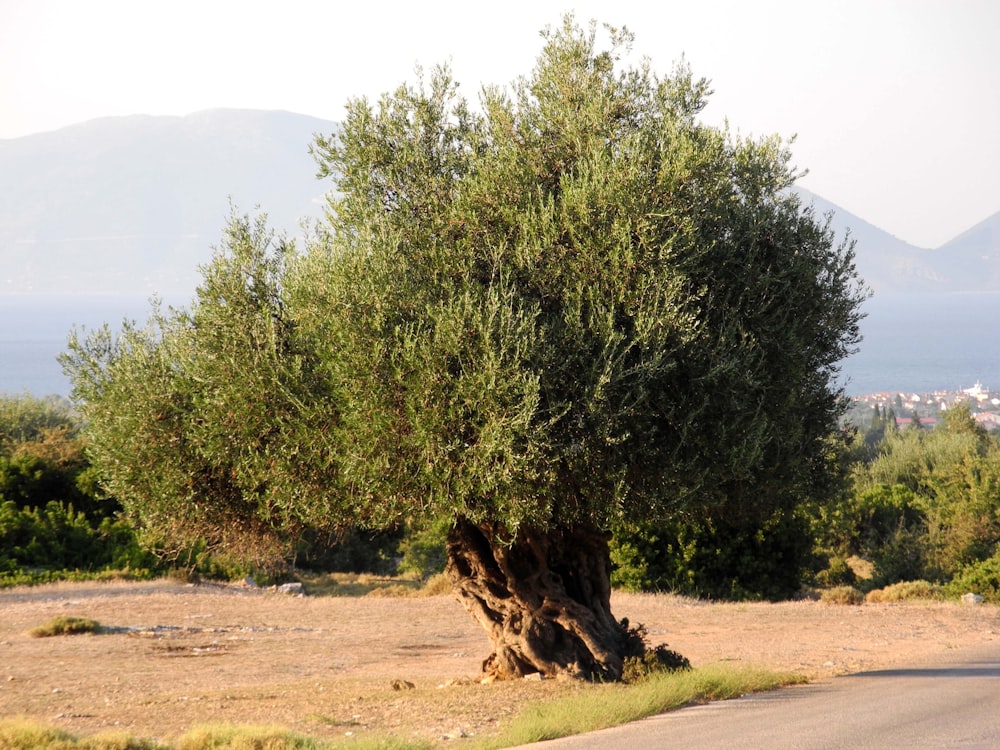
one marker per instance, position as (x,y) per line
(912,343)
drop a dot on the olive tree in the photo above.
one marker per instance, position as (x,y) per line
(569,305)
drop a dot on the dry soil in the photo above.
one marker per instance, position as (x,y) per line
(180,655)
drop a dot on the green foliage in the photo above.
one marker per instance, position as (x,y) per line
(351,551)
(26,419)
(982,577)
(59,538)
(42,457)
(209,424)
(925,506)
(715,558)
(575,305)
(653,661)
(53,517)
(422,547)
(572,305)
(836,573)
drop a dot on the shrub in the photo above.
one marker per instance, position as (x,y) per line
(837,573)
(422,548)
(437,585)
(715,558)
(654,661)
(981,578)
(65,625)
(57,537)
(842,595)
(905,591)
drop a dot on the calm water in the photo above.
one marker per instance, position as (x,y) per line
(924,342)
(34,330)
(917,343)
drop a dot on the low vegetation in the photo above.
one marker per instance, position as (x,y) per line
(65,625)
(918,517)
(842,595)
(906,591)
(605,706)
(591,707)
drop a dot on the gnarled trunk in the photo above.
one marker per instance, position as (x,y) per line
(543,599)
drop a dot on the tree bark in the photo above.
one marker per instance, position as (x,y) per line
(544,599)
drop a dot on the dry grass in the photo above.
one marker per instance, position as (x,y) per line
(175,657)
(584,708)
(842,595)
(367,584)
(906,591)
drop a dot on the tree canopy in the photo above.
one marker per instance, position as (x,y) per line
(574,302)
(568,305)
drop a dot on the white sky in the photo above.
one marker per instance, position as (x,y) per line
(896,103)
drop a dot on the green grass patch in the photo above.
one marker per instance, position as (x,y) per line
(225,737)
(63,625)
(22,734)
(601,706)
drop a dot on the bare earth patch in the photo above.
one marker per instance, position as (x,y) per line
(176,655)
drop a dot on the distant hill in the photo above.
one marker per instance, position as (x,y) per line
(135,204)
(968,263)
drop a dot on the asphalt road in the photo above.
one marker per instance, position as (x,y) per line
(932,706)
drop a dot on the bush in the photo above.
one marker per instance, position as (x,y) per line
(57,537)
(981,578)
(842,595)
(905,591)
(654,661)
(837,573)
(422,548)
(714,558)
(64,625)
(352,551)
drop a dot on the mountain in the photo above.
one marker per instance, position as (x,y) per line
(135,204)
(968,263)
(974,254)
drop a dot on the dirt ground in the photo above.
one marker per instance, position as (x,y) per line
(182,655)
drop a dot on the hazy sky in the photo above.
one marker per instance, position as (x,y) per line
(896,103)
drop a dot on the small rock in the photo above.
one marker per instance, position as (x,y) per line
(291,588)
(456,735)
(402,685)
(534,676)
(971,598)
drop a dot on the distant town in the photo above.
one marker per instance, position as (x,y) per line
(926,408)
